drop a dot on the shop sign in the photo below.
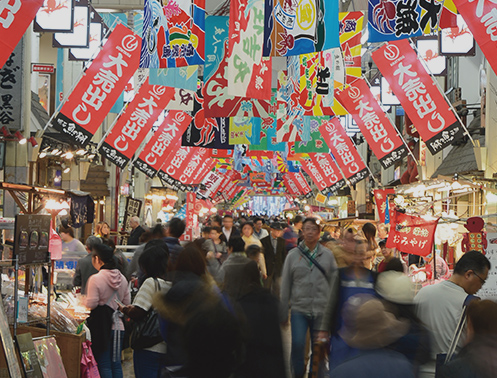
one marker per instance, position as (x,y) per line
(15,17)
(344,151)
(379,132)
(158,147)
(418,94)
(132,209)
(43,68)
(32,234)
(11,83)
(103,82)
(131,128)
(412,234)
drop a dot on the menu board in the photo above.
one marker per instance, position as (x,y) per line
(32,234)
(489,289)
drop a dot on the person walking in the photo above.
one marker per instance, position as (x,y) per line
(274,255)
(85,268)
(305,286)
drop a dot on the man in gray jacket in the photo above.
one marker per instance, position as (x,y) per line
(84,268)
(305,286)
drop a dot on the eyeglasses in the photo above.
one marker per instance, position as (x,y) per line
(481,279)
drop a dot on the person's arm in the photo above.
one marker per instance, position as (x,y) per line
(286,289)
(77,280)
(134,312)
(262,265)
(92,293)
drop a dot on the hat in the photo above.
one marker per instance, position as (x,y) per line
(395,287)
(368,325)
(276,226)
(326,237)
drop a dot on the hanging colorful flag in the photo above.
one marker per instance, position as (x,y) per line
(286,112)
(206,132)
(291,186)
(174,164)
(392,20)
(181,77)
(16,16)
(315,174)
(412,234)
(380,134)
(293,28)
(350,42)
(204,167)
(481,19)
(131,128)
(193,165)
(301,183)
(344,151)
(381,200)
(209,185)
(418,94)
(173,34)
(329,170)
(244,130)
(91,100)
(216,33)
(311,139)
(448,17)
(249,74)
(158,147)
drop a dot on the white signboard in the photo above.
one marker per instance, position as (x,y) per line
(489,290)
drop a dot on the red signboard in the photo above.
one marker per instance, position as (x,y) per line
(344,151)
(15,17)
(158,147)
(418,94)
(43,68)
(379,132)
(190,216)
(101,85)
(412,234)
(135,122)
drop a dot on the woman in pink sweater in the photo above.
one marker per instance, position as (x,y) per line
(107,328)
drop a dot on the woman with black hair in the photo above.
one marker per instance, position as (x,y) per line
(149,361)
(105,289)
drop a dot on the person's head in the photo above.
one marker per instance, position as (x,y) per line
(253,252)
(471,271)
(348,240)
(158,231)
(66,234)
(153,260)
(311,230)
(215,233)
(258,222)
(383,231)
(191,260)
(369,230)
(109,243)
(176,227)
(481,319)
(385,251)
(250,278)
(394,264)
(134,222)
(247,229)
(360,252)
(206,232)
(298,222)
(228,222)
(335,232)
(216,221)
(276,230)
(103,255)
(395,287)
(92,241)
(236,244)
(102,229)
(145,237)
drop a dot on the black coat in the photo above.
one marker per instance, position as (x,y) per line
(234,232)
(134,236)
(274,259)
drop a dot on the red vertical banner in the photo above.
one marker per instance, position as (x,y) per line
(209,185)
(418,94)
(193,163)
(380,198)
(412,234)
(330,171)
(481,18)
(344,151)
(135,122)
(301,183)
(158,147)
(291,186)
(316,175)
(203,169)
(190,216)
(15,17)
(379,132)
(172,165)
(101,85)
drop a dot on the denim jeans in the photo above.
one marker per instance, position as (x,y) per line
(147,364)
(106,366)
(300,324)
